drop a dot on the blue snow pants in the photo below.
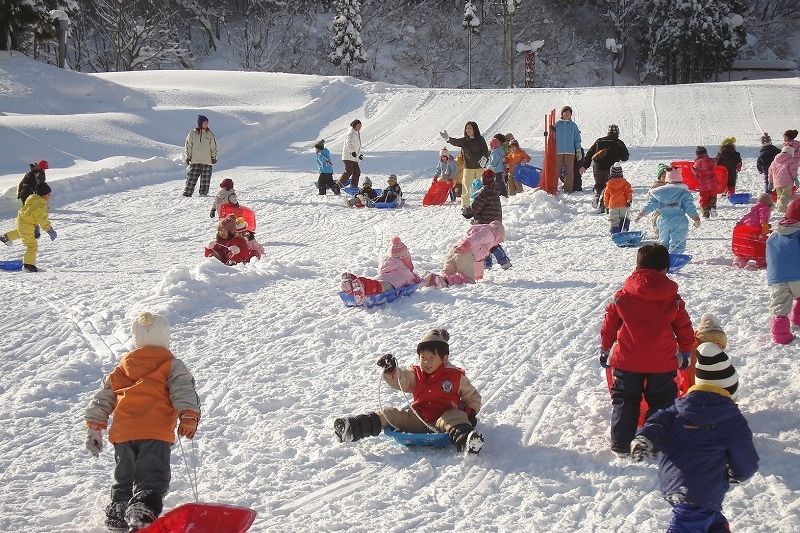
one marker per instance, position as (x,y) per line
(627,389)
(695,519)
(499,254)
(672,232)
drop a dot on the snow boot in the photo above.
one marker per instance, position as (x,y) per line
(794,316)
(143,509)
(5,240)
(781,330)
(356,428)
(30,268)
(502,258)
(115,517)
(740,262)
(465,438)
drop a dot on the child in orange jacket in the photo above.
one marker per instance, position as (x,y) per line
(148,393)
(617,198)
(515,157)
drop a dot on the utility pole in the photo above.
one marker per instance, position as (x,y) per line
(471,23)
(507,10)
(615,48)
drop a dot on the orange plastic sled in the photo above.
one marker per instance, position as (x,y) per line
(550,177)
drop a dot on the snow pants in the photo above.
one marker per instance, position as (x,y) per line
(198,171)
(142,474)
(782,296)
(659,390)
(673,232)
(600,180)
(618,219)
(708,201)
(26,233)
(466,179)
(566,162)
(406,420)
(351,171)
(502,186)
(459,268)
(693,519)
(784,197)
(326,182)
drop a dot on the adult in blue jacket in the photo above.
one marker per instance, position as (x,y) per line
(705,445)
(674,202)
(783,274)
(568,146)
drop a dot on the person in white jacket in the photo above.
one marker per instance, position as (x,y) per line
(351,155)
(201,153)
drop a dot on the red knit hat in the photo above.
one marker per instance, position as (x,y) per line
(44,165)
(228,224)
(226,184)
(792,213)
(398,250)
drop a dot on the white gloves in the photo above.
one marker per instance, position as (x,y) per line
(444,135)
(94,441)
(234,249)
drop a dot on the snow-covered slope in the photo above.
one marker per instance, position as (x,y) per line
(277,357)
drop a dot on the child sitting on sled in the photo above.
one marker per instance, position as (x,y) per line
(759,214)
(446,170)
(617,198)
(255,249)
(703,444)
(674,203)
(225,195)
(392,192)
(465,261)
(443,399)
(30,217)
(228,247)
(396,270)
(366,195)
(148,393)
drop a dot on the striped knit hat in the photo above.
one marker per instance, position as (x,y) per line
(616,171)
(714,368)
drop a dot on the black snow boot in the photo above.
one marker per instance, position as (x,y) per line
(143,509)
(115,517)
(465,438)
(30,268)
(357,427)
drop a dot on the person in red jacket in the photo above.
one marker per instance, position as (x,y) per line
(706,181)
(645,338)
(228,247)
(443,399)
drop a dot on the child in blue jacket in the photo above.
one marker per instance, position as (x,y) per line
(325,167)
(703,443)
(783,274)
(674,203)
(497,163)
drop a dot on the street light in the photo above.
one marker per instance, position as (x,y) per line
(615,48)
(529,50)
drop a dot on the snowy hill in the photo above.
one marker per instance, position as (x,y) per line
(277,357)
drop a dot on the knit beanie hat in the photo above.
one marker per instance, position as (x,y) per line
(42,189)
(444,152)
(616,171)
(228,224)
(366,182)
(661,171)
(44,165)
(765,139)
(729,140)
(391,178)
(674,176)
(241,224)
(788,150)
(613,129)
(200,120)
(488,173)
(498,229)
(149,329)
(320,144)
(714,367)
(226,184)
(700,150)
(709,330)
(398,250)
(792,213)
(435,340)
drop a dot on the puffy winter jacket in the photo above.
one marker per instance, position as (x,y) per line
(516,157)
(201,147)
(486,205)
(704,170)
(223,197)
(568,137)
(783,254)
(646,324)
(472,149)
(618,193)
(394,272)
(446,169)
(146,392)
(796,145)
(352,144)
(783,170)
(758,215)
(27,185)
(324,163)
(703,438)
(765,157)
(497,160)
(434,394)
(391,193)
(478,240)
(604,153)
(671,200)
(222,250)
(34,213)
(729,158)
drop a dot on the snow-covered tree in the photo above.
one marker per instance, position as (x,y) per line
(346,47)
(471,19)
(621,13)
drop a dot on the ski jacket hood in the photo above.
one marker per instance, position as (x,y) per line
(672,199)
(704,408)
(650,285)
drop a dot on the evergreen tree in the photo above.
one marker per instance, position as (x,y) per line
(346,47)
(16,18)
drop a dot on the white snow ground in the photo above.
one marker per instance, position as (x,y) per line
(277,357)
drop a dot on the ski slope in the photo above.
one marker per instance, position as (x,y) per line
(277,357)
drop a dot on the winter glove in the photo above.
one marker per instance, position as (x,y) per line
(603,355)
(697,223)
(52,234)
(213,211)
(684,358)
(642,448)
(94,438)
(387,362)
(354,154)
(234,249)
(577,154)
(37,232)
(360,157)
(188,424)
(213,160)
(466,212)
(444,135)
(472,416)
(483,161)
(581,171)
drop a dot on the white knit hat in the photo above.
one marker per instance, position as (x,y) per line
(708,322)
(788,150)
(150,330)
(713,367)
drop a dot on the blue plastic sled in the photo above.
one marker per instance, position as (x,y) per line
(627,239)
(678,261)
(379,299)
(528,175)
(389,205)
(740,198)
(437,440)
(13,265)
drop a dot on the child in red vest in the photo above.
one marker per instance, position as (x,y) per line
(228,247)
(443,399)
(645,338)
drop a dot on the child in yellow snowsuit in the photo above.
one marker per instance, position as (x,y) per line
(31,216)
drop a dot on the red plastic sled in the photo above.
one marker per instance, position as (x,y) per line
(684,380)
(203,518)
(437,194)
(748,243)
(245,212)
(720,172)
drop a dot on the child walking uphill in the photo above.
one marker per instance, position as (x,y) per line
(731,159)
(617,198)
(645,338)
(703,445)
(443,399)
(783,274)
(706,181)
(674,203)
(325,168)
(465,261)
(781,175)
(225,195)
(30,217)
(765,157)
(148,393)
(396,270)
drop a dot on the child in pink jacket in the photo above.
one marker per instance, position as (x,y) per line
(781,175)
(758,217)
(706,181)
(394,271)
(464,263)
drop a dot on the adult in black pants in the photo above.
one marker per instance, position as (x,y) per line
(601,156)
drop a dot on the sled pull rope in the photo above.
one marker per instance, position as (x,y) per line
(380,404)
(191,471)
